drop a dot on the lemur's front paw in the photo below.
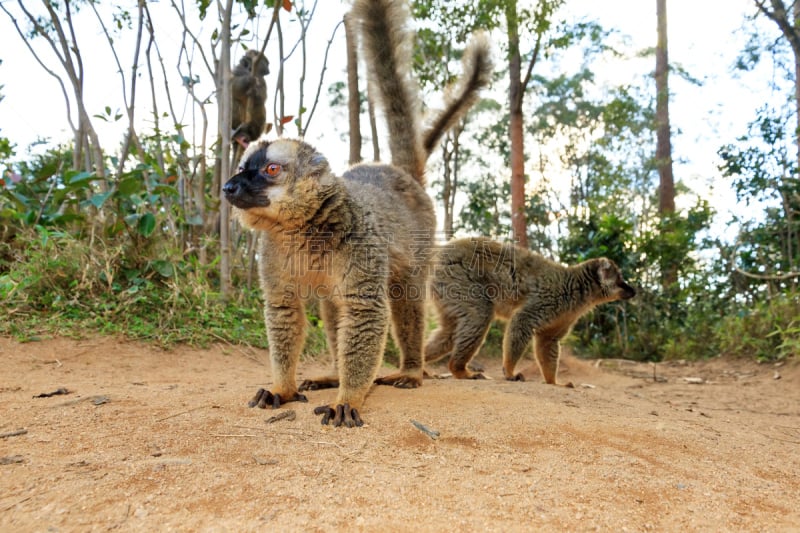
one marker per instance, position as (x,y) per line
(342,415)
(515,377)
(264,397)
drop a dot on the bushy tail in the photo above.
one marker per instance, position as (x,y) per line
(387,44)
(461,96)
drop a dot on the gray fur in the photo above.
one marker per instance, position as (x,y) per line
(475,280)
(387,50)
(359,243)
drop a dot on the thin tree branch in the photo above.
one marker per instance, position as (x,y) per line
(531,64)
(273,21)
(321,77)
(762,277)
(182,15)
(535,52)
(45,67)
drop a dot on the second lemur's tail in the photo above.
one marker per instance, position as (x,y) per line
(387,45)
(461,96)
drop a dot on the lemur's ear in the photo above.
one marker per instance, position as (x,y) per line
(319,166)
(318,159)
(605,268)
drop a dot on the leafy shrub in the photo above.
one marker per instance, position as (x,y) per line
(57,282)
(768,331)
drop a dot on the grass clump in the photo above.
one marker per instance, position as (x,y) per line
(56,284)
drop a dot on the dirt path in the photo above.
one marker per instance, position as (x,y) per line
(149,440)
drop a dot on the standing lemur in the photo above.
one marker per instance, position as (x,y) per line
(474,280)
(360,242)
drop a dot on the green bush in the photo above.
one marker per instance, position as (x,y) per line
(58,284)
(768,331)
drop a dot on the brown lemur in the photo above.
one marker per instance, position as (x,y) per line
(474,280)
(248,96)
(361,242)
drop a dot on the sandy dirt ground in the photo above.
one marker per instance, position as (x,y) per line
(148,440)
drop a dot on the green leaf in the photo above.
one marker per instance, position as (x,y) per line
(21,199)
(166,190)
(165,268)
(78,178)
(99,199)
(194,220)
(130,186)
(147,223)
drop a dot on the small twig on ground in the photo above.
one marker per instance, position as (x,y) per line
(13,433)
(23,500)
(179,414)
(325,443)
(70,357)
(96,400)
(250,356)
(288,431)
(288,415)
(58,391)
(124,518)
(247,427)
(264,462)
(771,437)
(233,435)
(432,433)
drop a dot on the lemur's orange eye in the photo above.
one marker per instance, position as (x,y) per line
(273,169)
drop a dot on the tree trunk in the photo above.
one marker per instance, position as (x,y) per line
(353,102)
(791,31)
(666,202)
(451,201)
(796,49)
(74,68)
(447,185)
(779,16)
(373,124)
(666,191)
(790,223)
(515,125)
(224,123)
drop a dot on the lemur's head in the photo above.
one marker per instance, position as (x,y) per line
(279,182)
(612,285)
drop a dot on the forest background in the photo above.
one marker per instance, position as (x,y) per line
(111,219)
